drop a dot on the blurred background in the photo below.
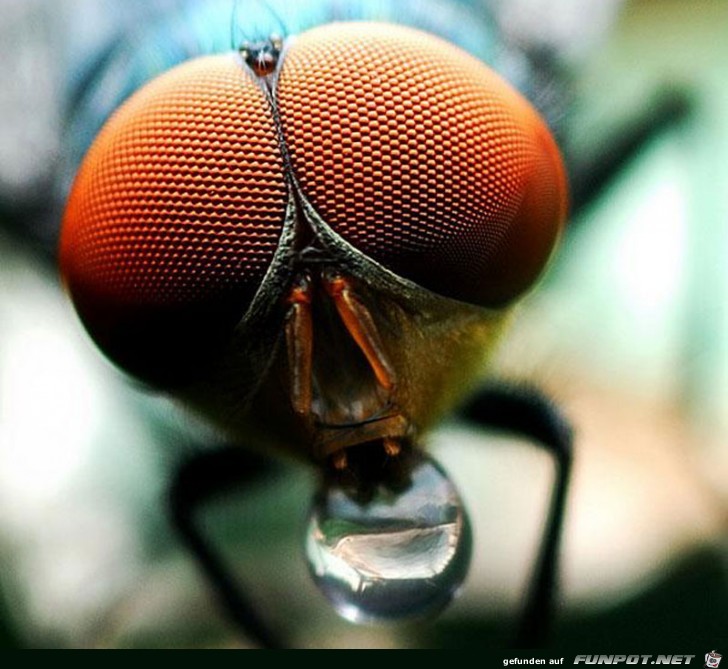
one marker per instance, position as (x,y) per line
(628,333)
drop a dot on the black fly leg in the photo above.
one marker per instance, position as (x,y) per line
(592,171)
(200,479)
(527,412)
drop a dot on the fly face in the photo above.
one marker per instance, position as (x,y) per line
(314,244)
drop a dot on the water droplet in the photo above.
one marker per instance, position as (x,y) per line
(396,551)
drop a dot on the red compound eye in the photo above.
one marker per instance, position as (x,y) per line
(414,152)
(422,158)
(175,216)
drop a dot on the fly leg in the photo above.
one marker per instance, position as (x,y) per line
(527,412)
(204,477)
(592,171)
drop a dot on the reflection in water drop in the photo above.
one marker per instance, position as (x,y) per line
(391,553)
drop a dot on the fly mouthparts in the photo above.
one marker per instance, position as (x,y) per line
(361,469)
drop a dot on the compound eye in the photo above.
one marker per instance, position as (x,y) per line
(174,218)
(422,158)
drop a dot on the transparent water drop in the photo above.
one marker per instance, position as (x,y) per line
(399,548)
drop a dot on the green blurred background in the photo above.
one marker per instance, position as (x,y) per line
(629,334)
